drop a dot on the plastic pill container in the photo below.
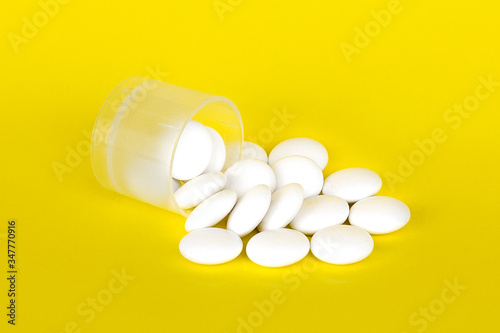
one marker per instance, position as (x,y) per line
(137,130)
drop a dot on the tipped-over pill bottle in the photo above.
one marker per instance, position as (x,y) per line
(138,129)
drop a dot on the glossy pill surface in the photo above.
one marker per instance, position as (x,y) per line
(353,184)
(300,170)
(319,212)
(277,248)
(199,189)
(211,211)
(218,158)
(193,152)
(253,150)
(285,204)
(245,174)
(341,244)
(210,246)
(379,214)
(302,147)
(249,210)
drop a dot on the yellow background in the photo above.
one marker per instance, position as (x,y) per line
(265,56)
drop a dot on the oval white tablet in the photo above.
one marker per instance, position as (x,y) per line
(210,246)
(200,188)
(319,212)
(277,248)
(353,184)
(300,170)
(379,214)
(193,152)
(341,244)
(245,174)
(211,211)
(249,210)
(218,152)
(285,204)
(253,150)
(302,147)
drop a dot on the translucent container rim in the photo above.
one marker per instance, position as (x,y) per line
(209,100)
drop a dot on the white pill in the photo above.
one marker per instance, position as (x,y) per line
(245,174)
(211,211)
(253,150)
(300,170)
(210,246)
(200,188)
(218,152)
(277,248)
(249,210)
(353,184)
(193,152)
(285,204)
(301,147)
(319,212)
(341,244)
(379,214)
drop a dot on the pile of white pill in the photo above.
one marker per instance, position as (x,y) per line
(284,196)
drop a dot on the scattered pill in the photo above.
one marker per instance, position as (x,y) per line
(353,184)
(245,174)
(245,193)
(210,246)
(379,214)
(279,193)
(200,188)
(302,147)
(285,204)
(277,248)
(341,244)
(249,210)
(193,152)
(319,212)
(218,158)
(211,211)
(253,150)
(300,170)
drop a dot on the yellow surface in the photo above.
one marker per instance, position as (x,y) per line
(368,108)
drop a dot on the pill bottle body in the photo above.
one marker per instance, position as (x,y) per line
(137,131)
